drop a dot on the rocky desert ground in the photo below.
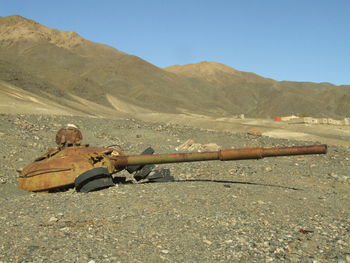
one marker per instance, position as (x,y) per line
(286,209)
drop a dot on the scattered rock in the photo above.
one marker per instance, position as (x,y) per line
(245,213)
(191,146)
(53,219)
(255,132)
(268,169)
(333,175)
(206,241)
(3,180)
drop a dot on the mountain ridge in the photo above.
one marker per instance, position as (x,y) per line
(39,58)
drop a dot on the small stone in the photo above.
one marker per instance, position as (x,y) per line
(191,146)
(333,175)
(164,251)
(53,219)
(340,242)
(254,132)
(268,169)
(210,147)
(207,242)
(343,179)
(265,222)
(92,261)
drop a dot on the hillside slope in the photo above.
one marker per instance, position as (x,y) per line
(262,97)
(62,66)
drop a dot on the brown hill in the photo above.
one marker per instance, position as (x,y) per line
(213,72)
(66,69)
(266,97)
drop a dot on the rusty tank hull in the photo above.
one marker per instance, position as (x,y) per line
(61,167)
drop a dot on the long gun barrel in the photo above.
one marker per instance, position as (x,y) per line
(223,155)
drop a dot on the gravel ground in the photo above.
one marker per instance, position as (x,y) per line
(286,209)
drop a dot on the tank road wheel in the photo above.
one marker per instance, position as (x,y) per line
(144,172)
(134,168)
(162,175)
(94,179)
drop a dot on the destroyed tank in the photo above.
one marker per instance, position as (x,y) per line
(91,168)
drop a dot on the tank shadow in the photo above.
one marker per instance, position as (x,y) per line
(226,183)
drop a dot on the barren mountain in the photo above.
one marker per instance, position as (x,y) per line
(213,72)
(78,74)
(266,97)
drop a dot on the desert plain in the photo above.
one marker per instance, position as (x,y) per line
(283,209)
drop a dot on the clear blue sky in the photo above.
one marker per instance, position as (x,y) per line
(299,40)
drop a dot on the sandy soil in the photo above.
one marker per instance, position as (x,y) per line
(16,100)
(288,209)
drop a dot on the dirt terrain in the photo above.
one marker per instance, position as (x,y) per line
(287,209)
(16,100)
